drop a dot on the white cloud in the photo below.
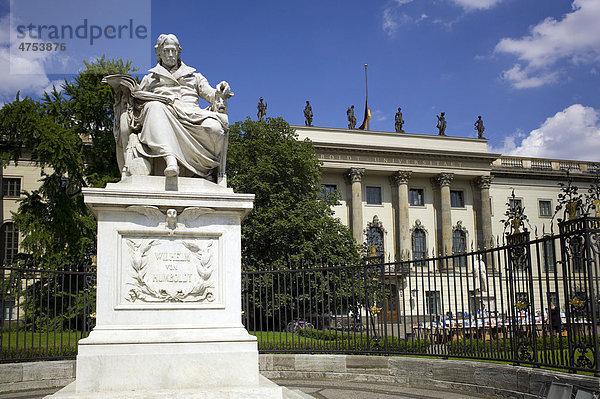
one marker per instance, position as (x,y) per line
(476,4)
(379,115)
(31,79)
(393,18)
(389,24)
(522,78)
(573,133)
(575,38)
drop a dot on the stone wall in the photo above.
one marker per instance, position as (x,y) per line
(36,375)
(489,379)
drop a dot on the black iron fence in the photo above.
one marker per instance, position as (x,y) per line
(45,312)
(525,301)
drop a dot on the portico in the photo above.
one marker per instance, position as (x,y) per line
(408,181)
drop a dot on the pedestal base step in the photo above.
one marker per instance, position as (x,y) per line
(265,390)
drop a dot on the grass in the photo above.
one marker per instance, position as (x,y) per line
(500,351)
(24,345)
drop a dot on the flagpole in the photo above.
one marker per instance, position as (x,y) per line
(367,93)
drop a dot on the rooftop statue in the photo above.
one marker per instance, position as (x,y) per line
(441,125)
(399,121)
(479,127)
(160,119)
(351,118)
(262,110)
(308,114)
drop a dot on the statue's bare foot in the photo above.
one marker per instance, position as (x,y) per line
(172,169)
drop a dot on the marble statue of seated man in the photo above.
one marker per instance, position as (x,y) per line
(164,121)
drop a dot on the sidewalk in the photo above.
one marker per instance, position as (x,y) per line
(321,389)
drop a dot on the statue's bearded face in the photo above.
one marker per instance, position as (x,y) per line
(168,54)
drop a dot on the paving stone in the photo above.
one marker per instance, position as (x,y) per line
(265,362)
(454,371)
(367,362)
(11,373)
(495,376)
(284,362)
(331,363)
(411,367)
(36,371)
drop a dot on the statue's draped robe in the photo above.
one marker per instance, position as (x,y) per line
(182,129)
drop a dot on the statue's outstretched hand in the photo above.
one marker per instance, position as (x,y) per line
(224,89)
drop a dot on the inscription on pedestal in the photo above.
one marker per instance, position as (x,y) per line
(169,270)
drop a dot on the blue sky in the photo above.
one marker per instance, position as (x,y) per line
(531,68)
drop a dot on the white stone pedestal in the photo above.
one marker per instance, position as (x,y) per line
(168,319)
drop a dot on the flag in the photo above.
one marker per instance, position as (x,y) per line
(367,117)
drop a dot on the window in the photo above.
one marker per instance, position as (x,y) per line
(392,298)
(549,255)
(375,241)
(11,187)
(9,242)
(374,195)
(432,302)
(514,202)
(545,207)
(459,245)
(522,297)
(328,189)
(457,199)
(578,262)
(8,311)
(419,249)
(415,197)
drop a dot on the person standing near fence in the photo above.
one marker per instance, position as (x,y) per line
(554,318)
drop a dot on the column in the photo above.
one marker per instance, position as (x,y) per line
(354,176)
(443,180)
(400,183)
(483,182)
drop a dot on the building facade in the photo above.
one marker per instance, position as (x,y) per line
(449,188)
(412,196)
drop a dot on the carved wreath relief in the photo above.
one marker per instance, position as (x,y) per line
(168,270)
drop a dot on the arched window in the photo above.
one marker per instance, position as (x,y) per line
(9,242)
(419,245)
(375,233)
(459,245)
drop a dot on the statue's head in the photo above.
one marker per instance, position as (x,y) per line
(168,50)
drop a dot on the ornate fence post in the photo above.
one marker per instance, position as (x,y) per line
(580,251)
(520,284)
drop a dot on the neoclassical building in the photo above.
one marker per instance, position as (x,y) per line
(427,193)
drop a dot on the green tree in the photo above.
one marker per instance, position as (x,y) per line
(69,135)
(292,219)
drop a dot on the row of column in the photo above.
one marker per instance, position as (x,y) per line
(400,183)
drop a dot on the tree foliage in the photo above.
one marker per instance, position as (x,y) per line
(69,135)
(292,219)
